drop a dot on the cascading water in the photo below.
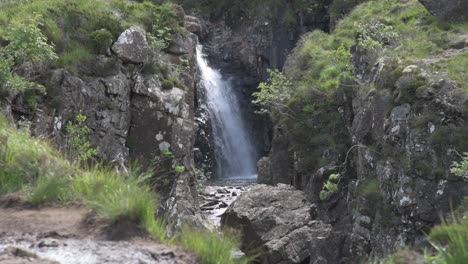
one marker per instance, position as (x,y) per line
(233,150)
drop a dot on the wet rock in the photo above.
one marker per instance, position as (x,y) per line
(234,194)
(222,190)
(277,220)
(132,46)
(223,205)
(48,243)
(17,255)
(212,203)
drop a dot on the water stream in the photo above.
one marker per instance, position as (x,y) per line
(233,149)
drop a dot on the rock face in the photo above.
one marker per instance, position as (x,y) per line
(132,46)
(131,116)
(193,24)
(278,220)
(452,10)
(396,155)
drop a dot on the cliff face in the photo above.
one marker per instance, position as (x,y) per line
(131,111)
(386,140)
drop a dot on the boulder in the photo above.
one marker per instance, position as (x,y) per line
(452,10)
(192,24)
(278,221)
(180,45)
(132,46)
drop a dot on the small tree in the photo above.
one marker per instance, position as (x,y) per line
(25,43)
(274,94)
(78,138)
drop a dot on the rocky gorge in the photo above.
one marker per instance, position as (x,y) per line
(359,167)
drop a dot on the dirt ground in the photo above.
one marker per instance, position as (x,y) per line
(73,235)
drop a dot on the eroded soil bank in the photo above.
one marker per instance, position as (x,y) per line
(72,235)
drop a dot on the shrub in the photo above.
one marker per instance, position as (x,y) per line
(101,40)
(26,42)
(274,94)
(374,35)
(330,187)
(461,168)
(78,138)
(167,84)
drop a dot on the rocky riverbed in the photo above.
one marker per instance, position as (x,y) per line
(216,196)
(48,248)
(72,235)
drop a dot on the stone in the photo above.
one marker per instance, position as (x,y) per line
(132,46)
(192,24)
(450,10)
(222,205)
(48,243)
(180,45)
(222,190)
(277,220)
(17,255)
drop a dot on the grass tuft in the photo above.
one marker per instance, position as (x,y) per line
(450,239)
(211,247)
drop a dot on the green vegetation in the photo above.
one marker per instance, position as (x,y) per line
(25,43)
(24,160)
(101,40)
(43,175)
(213,248)
(275,93)
(330,186)
(457,69)
(450,239)
(461,168)
(78,136)
(167,84)
(78,28)
(394,29)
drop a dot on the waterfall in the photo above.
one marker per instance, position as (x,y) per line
(233,149)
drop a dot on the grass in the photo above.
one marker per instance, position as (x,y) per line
(212,248)
(450,239)
(313,62)
(457,69)
(68,22)
(23,160)
(49,188)
(42,175)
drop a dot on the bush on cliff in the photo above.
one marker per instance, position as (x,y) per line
(77,28)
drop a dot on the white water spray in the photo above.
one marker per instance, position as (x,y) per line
(233,148)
